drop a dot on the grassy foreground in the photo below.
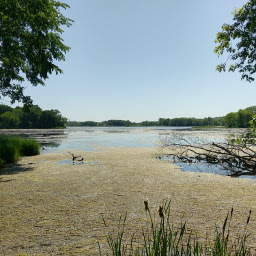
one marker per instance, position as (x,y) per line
(163,239)
(12,148)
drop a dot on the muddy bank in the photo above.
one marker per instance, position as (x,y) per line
(49,208)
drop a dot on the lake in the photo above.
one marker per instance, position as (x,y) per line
(96,138)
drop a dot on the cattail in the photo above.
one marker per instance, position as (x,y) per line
(231,214)
(146,205)
(224,225)
(249,217)
(160,211)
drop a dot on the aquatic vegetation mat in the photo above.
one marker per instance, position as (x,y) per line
(57,209)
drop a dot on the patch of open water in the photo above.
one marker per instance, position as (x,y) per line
(208,168)
(93,138)
(69,161)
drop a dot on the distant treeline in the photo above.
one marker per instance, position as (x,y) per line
(238,119)
(13,118)
(17,118)
(241,118)
(182,121)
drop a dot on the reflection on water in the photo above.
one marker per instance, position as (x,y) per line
(207,168)
(94,138)
(69,161)
(53,144)
(210,168)
(116,131)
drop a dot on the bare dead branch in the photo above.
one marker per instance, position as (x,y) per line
(237,159)
(76,158)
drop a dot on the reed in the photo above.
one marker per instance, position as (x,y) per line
(29,147)
(12,148)
(162,239)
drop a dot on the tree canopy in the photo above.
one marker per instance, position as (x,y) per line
(13,118)
(239,41)
(30,44)
(182,121)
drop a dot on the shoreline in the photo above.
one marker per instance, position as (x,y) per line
(48,208)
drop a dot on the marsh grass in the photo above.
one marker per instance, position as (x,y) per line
(163,239)
(29,147)
(12,148)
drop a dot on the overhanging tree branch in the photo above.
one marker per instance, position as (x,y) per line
(239,41)
(30,43)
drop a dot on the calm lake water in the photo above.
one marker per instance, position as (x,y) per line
(94,138)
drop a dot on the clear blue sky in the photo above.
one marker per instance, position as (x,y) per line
(144,59)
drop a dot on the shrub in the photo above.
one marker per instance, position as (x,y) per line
(12,148)
(1,163)
(9,149)
(29,148)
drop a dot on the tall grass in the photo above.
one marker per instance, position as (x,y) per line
(163,239)
(29,147)
(12,148)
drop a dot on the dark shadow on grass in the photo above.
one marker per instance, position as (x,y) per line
(14,169)
(3,180)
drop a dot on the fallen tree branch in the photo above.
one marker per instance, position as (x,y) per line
(76,158)
(235,158)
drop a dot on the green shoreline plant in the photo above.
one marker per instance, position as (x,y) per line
(12,148)
(163,239)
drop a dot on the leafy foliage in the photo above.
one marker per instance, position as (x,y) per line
(191,121)
(35,118)
(239,41)
(240,119)
(183,121)
(30,43)
(246,138)
(9,120)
